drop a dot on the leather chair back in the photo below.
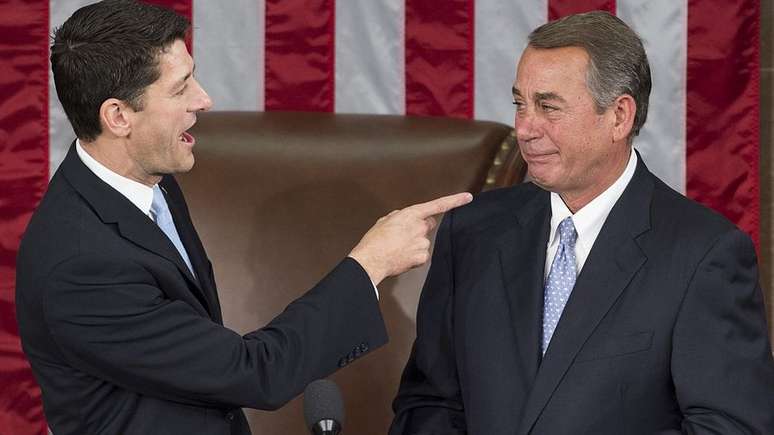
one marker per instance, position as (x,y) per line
(279,198)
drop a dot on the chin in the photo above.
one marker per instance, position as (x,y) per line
(542,185)
(542,179)
(187,167)
(180,168)
(186,163)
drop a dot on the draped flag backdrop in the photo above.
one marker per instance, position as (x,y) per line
(416,57)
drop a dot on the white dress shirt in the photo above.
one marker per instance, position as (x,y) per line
(139,194)
(588,220)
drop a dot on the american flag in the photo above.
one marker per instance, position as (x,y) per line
(451,58)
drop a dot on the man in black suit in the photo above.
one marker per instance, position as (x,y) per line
(116,299)
(595,299)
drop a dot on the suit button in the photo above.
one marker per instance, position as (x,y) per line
(350,358)
(364,347)
(230,416)
(342,362)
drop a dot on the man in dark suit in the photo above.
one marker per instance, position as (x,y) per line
(116,299)
(595,299)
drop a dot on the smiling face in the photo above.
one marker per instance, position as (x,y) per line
(158,142)
(569,148)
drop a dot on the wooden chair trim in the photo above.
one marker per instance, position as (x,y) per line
(508,167)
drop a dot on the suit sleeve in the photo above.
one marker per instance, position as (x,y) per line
(722,365)
(429,399)
(110,320)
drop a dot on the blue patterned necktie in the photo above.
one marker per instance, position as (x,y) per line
(561,280)
(163,218)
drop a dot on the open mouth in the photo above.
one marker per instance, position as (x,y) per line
(187,138)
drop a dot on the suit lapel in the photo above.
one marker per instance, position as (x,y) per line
(522,255)
(612,263)
(133,225)
(192,244)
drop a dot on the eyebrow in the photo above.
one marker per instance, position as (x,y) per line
(182,81)
(541,96)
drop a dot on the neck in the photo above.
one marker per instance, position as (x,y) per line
(577,200)
(113,154)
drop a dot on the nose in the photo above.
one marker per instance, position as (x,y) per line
(526,126)
(202,101)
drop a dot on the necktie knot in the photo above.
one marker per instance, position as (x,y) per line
(567,234)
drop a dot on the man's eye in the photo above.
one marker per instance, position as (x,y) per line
(181,91)
(548,108)
(518,104)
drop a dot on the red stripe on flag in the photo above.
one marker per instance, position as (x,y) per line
(561,8)
(23,180)
(439,58)
(299,55)
(182,7)
(722,97)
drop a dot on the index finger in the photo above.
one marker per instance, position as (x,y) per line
(442,204)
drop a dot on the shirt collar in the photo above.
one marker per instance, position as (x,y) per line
(588,220)
(137,193)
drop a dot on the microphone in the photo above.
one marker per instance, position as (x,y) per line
(323,407)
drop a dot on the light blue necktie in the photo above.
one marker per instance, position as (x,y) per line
(163,218)
(561,280)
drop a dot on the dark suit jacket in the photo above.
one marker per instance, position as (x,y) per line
(124,340)
(664,332)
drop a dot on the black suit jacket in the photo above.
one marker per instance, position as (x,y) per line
(124,340)
(664,332)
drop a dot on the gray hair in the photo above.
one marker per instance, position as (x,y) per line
(618,64)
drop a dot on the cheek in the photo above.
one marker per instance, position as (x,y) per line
(575,136)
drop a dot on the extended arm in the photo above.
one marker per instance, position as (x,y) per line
(110,320)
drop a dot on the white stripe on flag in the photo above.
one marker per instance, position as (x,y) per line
(501,35)
(370,57)
(228,45)
(60,132)
(662,25)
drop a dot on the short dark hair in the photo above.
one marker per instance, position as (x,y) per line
(107,50)
(618,64)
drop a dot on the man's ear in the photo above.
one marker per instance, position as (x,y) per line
(624,109)
(115,117)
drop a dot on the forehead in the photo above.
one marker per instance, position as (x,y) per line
(551,70)
(174,63)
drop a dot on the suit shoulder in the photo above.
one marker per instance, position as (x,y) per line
(686,226)
(58,205)
(60,219)
(517,193)
(494,206)
(675,209)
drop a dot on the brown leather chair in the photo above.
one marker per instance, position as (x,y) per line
(279,198)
